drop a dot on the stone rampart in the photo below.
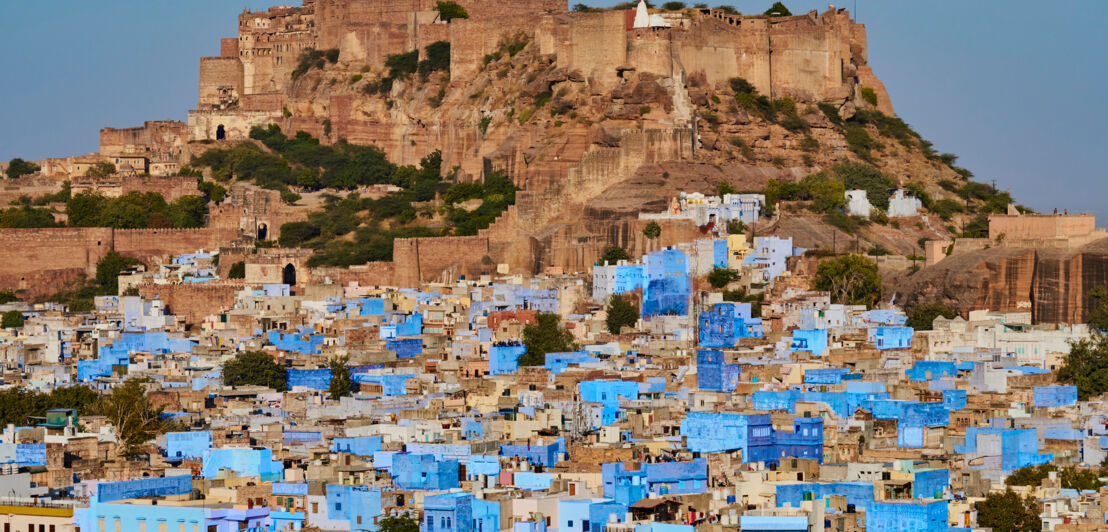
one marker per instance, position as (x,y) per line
(1040,226)
(418,260)
(194,301)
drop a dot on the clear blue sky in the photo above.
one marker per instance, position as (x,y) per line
(1014,87)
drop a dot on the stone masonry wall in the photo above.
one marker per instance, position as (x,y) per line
(194,301)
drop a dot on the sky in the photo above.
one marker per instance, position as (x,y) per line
(1015,88)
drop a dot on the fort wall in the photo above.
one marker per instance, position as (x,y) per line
(221,82)
(1040,226)
(152,139)
(594,44)
(194,301)
(171,188)
(420,260)
(370,274)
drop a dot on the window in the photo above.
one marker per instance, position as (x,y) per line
(430,523)
(100,524)
(118,525)
(338,506)
(141,525)
(569,524)
(315,507)
(163,526)
(585,525)
(359,519)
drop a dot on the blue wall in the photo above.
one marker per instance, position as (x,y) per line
(929,484)
(406,347)
(187,444)
(892,337)
(244,462)
(754,435)
(315,379)
(546,455)
(1050,396)
(712,373)
(146,487)
(667,283)
(812,340)
(424,472)
(907,517)
(504,358)
(856,493)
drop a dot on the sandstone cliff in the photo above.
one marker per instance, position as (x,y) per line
(1054,284)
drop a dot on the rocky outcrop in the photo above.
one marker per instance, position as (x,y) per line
(1053,284)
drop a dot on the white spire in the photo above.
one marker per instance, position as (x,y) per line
(642,18)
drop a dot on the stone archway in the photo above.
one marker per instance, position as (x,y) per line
(288,275)
(220,133)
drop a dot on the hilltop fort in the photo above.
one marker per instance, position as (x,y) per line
(597,116)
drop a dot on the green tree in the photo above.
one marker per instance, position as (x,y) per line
(923,316)
(254,368)
(18,167)
(1080,479)
(652,230)
(613,254)
(8,296)
(213,191)
(237,271)
(544,336)
(673,6)
(1007,512)
(621,312)
(778,10)
(18,406)
(341,383)
(102,170)
(135,419)
(1098,309)
(289,197)
(826,194)
(26,216)
(721,277)
(11,318)
(1029,476)
(735,227)
(398,523)
(293,234)
(851,280)
(1087,366)
(449,10)
(862,176)
(108,269)
(308,179)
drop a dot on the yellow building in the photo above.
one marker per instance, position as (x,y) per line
(16,518)
(737,250)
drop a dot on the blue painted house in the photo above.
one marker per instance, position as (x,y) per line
(754,435)
(423,472)
(726,323)
(813,341)
(504,357)
(907,516)
(668,284)
(712,373)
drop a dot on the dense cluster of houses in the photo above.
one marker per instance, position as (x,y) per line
(788,413)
